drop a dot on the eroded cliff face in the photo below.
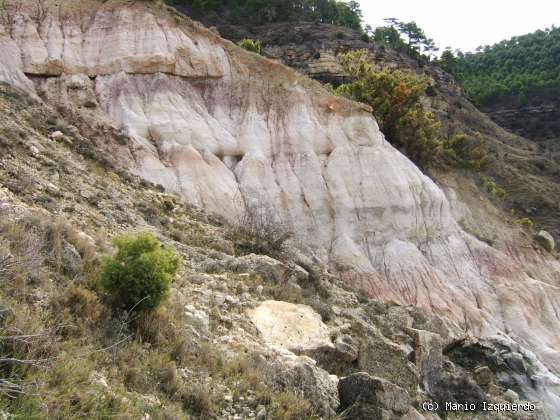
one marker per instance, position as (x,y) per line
(222,127)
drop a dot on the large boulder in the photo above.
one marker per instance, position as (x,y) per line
(297,328)
(301,373)
(457,388)
(365,397)
(382,358)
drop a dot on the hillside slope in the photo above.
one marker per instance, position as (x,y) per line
(210,351)
(224,129)
(516,82)
(537,117)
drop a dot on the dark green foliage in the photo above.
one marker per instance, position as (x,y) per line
(259,12)
(464,151)
(250,45)
(406,37)
(395,98)
(515,66)
(448,61)
(141,272)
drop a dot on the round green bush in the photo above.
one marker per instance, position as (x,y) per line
(139,275)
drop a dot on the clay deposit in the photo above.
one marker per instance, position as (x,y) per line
(223,127)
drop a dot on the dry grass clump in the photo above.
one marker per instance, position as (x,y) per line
(196,399)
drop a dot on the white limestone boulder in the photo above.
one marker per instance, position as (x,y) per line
(297,328)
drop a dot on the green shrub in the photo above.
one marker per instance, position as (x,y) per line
(464,151)
(250,45)
(396,101)
(525,222)
(395,98)
(140,274)
(493,189)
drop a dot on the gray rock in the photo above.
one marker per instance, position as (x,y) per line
(57,135)
(230,300)
(70,258)
(511,396)
(198,319)
(382,358)
(346,348)
(289,371)
(367,397)
(271,270)
(483,375)
(199,278)
(515,361)
(297,273)
(428,355)
(219,299)
(33,150)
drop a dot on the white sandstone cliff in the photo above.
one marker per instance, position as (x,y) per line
(221,126)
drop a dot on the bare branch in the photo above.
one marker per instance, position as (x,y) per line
(10,389)
(35,362)
(263,228)
(24,338)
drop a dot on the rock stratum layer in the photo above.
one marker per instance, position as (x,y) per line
(224,128)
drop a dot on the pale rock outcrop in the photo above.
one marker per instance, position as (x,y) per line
(546,240)
(11,65)
(198,319)
(297,328)
(223,127)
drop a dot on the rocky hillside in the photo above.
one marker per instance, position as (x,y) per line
(150,92)
(516,82)
(536,117)
(242,336)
